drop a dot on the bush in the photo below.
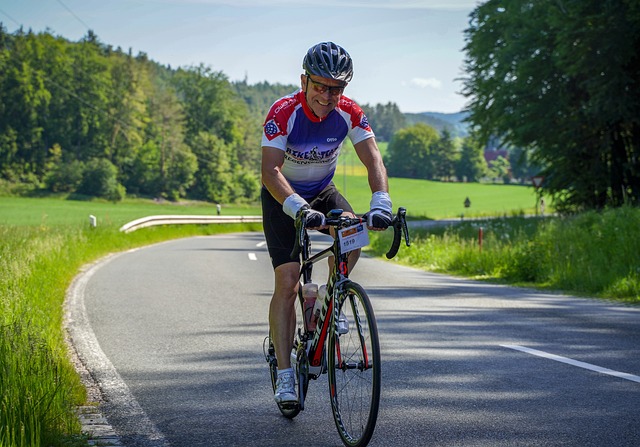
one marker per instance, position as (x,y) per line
(65,177)
(99,179)
(529,262)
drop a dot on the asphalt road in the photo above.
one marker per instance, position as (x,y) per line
(179,328)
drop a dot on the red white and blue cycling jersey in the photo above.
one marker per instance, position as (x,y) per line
(312,145)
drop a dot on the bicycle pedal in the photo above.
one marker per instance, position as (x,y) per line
(290,405)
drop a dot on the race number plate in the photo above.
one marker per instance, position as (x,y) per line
(353,237)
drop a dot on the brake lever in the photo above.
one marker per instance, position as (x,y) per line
(399,224)
(301,223)
(405,227)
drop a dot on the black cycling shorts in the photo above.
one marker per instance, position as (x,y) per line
(280,230)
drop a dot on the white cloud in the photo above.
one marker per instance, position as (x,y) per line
(426,83)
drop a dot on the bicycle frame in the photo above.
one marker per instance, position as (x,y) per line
(339,274)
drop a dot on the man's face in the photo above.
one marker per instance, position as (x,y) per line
(322,94)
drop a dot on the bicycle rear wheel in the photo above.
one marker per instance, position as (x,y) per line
(354,368)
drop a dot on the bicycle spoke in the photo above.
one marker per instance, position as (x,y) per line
(354,370)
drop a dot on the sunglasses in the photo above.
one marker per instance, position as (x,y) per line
(319,87)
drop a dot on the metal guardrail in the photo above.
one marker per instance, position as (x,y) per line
(150,221)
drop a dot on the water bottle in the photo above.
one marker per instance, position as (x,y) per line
(322,293)
(309,294)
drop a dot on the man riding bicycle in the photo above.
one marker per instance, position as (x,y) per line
(302,137)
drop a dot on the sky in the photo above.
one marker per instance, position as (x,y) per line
(409,52)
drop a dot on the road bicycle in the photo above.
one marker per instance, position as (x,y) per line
(348,352)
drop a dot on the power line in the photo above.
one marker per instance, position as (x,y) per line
(10,18)
(74,14)
(18,24)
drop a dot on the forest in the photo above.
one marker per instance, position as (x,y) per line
(86,119)
(553,84)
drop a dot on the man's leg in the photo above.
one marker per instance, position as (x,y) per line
(282,317)
(282,321)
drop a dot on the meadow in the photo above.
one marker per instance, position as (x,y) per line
(435,200)
(423,200)
(44,242)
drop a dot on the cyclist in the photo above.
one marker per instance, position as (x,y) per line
(301,141)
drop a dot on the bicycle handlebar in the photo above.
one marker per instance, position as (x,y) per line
(399,224)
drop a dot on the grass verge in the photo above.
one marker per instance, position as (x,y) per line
(39,389)
(592,254)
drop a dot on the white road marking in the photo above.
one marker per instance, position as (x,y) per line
(95,360)
(577,363)
(261,244)
(253,257)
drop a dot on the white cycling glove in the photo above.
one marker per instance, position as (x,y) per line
(380,215)
(293,204)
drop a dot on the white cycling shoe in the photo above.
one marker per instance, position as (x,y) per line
(285,389)
(343,324)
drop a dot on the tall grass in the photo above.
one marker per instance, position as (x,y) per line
(39,389)
(594,254)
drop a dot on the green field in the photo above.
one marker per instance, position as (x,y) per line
(434,200)
(423,199)
(57,211)
(439,200)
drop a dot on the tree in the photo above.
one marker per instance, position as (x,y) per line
(87,111)
(215,130)
(24,99)
(522,166)
(410,152)
(181,168)
(67,107)
(209,104)
(62,177)
(501,168)
(471,165)
(215,177)
(127,111)
(99,179)
(445,154)
(166,154)
(385,119)
(559,77)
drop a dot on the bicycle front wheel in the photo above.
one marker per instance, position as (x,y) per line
(354,367)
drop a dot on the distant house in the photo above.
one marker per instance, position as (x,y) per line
(492,154)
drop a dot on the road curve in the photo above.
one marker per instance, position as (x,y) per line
(173,334)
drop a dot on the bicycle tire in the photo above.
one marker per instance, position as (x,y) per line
(354,368)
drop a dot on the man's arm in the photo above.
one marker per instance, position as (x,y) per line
(380,214)
(370,156)
(272,178)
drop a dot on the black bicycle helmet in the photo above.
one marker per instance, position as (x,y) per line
(328,60)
